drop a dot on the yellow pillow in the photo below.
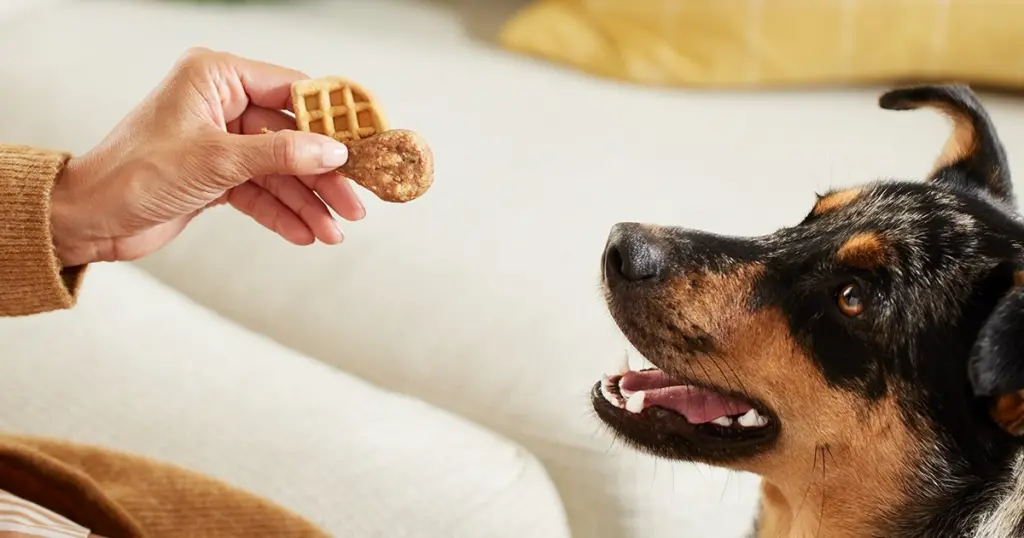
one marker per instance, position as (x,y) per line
(760,43)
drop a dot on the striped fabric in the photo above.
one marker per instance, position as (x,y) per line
(22,519)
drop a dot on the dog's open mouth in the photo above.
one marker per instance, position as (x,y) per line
(653,409)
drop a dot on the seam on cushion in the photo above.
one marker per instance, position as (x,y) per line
(524,458)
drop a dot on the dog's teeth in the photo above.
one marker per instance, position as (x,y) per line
(752,419)
(748,419)
(635,404)
(626,393)
(606,386)
(624,367)
(629,363)
(725,422)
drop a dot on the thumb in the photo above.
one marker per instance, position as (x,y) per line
(293,153)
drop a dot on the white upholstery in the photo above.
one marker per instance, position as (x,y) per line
(481,297)
(138,367)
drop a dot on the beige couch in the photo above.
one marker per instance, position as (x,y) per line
(429,378)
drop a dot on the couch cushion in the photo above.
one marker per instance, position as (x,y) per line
(139,368)
(770,44)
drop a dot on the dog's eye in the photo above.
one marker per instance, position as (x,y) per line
(849,300)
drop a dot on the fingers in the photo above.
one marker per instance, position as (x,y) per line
(266,85)
(337,191)
(248,97)
(332,187)
(271,213)
(240,157)
(255,119)
(309,208)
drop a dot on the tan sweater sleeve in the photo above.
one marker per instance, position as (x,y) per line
(32,280)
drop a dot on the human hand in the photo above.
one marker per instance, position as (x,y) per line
(198,141)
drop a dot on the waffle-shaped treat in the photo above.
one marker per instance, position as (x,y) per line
(395,165)
(337,108)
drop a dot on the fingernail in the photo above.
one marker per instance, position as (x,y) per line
(334,154)
(337,226)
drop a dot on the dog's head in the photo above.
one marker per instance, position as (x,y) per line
(887,325)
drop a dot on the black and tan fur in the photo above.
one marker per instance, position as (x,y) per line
(900,421)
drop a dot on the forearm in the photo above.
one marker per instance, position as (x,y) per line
(32,279)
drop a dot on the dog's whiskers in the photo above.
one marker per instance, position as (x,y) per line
(821,511)
(807,490)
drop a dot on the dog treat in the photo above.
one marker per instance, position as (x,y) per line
(395,165)
(337,108)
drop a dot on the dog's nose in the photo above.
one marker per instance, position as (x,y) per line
(632,255)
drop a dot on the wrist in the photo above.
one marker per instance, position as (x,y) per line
(67,225)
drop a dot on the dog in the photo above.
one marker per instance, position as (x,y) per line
(866,363)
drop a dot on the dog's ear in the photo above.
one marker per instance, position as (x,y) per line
(973,156)
(996,365)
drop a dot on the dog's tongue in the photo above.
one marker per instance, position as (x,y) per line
(696,404)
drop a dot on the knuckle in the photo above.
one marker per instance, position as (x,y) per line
(188,61)
(196,55)
(284,150)
(198,59)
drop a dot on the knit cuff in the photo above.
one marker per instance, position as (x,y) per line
(32,279)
